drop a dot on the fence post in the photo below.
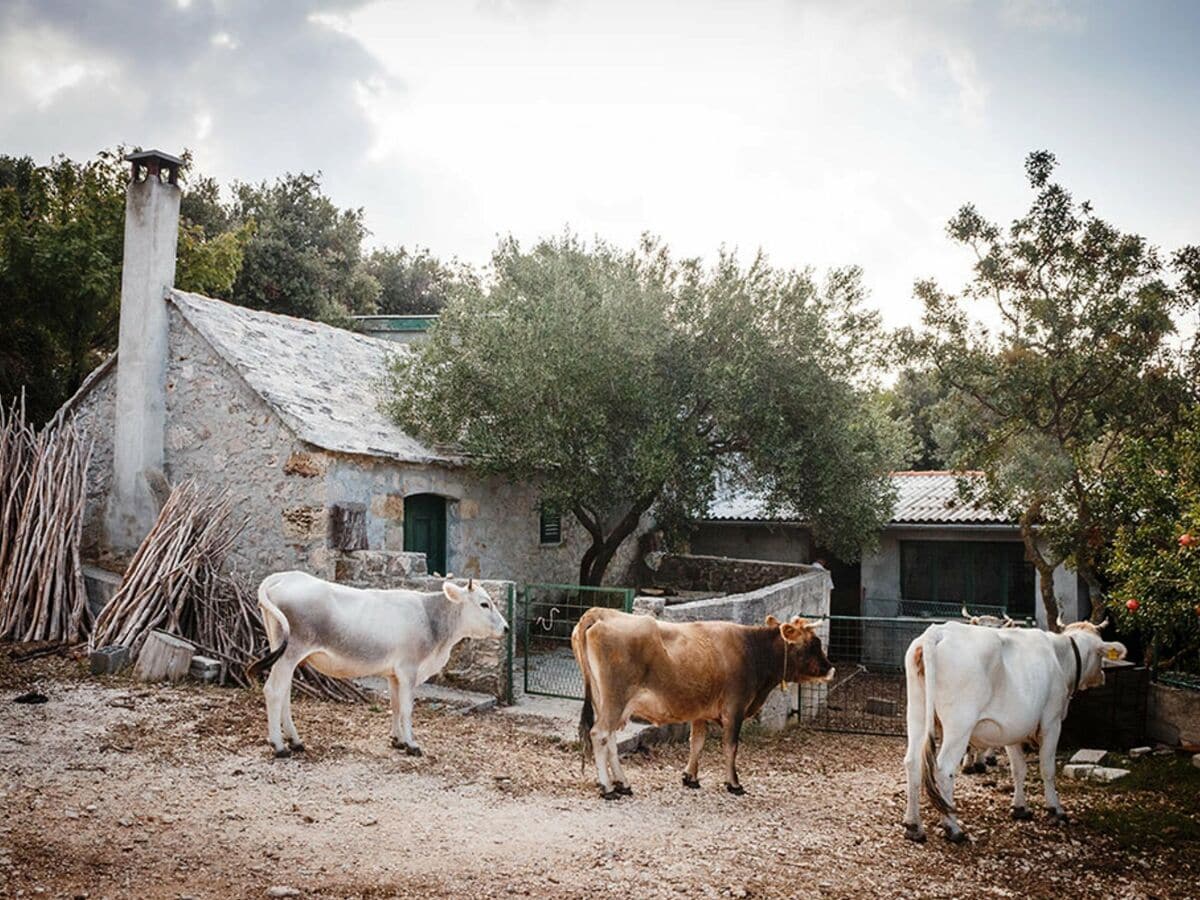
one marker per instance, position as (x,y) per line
(508,644)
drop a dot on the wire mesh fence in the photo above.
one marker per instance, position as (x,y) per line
(549,613)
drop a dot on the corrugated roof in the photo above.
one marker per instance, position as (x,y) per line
(921,498)
(322,381)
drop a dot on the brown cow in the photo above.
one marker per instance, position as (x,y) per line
(698,672)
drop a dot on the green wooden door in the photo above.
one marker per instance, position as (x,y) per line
(425,529)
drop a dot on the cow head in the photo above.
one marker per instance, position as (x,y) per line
(480,617)
(806,660)
(1093,650)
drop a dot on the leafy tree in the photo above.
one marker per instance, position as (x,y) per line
(916,400)
(625,381)
(304,257)
(1155,561)
(1076,363)
(61,248)
(412,282)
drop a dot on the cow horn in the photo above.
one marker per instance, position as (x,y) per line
(1009,622)
(471,583)
(1102,623)
(1058,620)
(966,615)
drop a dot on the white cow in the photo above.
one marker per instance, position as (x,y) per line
(979,759)
(991,687)
(346,632)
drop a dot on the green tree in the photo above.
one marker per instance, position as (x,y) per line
(625,381)
(1155,560)
(412,282)
(1074,362)
(916,400)
(61,237)
(304,257)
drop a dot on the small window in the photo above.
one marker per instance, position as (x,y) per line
(550,526)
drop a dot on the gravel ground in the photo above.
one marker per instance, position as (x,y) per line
(113,789)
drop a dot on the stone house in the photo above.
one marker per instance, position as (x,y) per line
(285,414)
(935,554)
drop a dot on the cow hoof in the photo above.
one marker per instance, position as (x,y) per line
(1021,814)
(610,795)
(297,746)
(956,837)
(623,789)
(690,782)
(914,833)
(412,750)
(1058,817)
(736,789)
(974,769)
(283,752)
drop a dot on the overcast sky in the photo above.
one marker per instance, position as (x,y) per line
(824,133)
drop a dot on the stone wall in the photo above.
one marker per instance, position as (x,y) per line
(1173,715)
(94,414)
(721,574)
(225,436)
(805,594)
(780,542)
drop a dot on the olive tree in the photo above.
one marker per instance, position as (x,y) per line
(622,382)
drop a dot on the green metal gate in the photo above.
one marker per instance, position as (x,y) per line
(548,613)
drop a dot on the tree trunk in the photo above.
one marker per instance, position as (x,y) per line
(596,558)
(1044,568)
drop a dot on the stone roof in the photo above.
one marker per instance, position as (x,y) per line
(921,498)
(322,381)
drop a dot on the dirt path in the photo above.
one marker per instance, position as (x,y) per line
(116,790)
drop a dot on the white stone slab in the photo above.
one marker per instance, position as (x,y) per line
(1138,752)
(1089,757)
(1105,774)
(1080,771)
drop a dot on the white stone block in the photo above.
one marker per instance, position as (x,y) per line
(1080,771)
(1138,752)
(1090,757)
(1105,774)
(1196,760)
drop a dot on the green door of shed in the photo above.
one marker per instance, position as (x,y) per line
(425,529)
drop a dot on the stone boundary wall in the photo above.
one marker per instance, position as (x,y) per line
(722,574)
(1173,715)
(805,594)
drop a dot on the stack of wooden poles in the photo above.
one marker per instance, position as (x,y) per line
(43,489)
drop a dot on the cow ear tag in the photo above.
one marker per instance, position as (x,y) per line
(1112,653)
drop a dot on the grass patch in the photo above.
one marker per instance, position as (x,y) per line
(1156,804)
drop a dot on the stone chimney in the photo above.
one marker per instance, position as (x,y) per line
(148,272)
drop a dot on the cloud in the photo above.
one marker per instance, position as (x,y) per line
(1044,15)
(260,87)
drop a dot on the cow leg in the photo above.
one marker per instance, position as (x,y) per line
(620,782)
(954,745)
(277,692)
(691,774)
(914,760)
(729,743)
(289,726)
(401,690)
(1016,761)
(1046,751)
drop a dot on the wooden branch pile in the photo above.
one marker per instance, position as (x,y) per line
(177,562)
(43,490)
(175,583)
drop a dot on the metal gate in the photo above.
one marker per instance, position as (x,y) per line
(548,613)
(867,694)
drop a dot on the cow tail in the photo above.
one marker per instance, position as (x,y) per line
(587,715)
(269,609)
(929,776)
